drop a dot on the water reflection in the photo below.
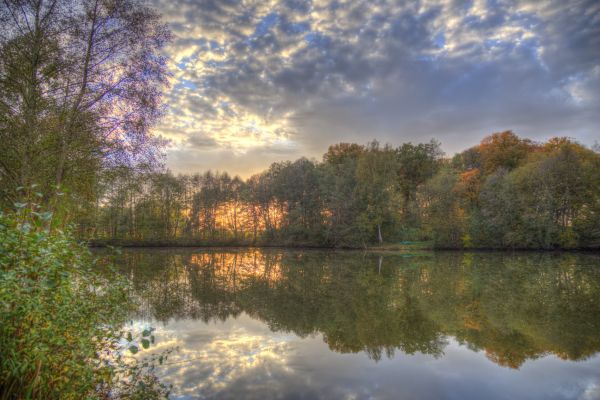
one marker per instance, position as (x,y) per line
(274,312)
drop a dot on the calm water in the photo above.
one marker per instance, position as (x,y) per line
(347,325)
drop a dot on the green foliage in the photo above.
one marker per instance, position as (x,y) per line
(547,200)
(61,319)
(507,192)
(338,184)
(444,218)
(376,187)
(415,165)
(503,150)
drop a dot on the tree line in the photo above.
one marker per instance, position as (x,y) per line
(506,192)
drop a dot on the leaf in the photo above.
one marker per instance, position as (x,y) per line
(50,283)
(45,216)
(20,205)
(146,332)
(26,227)
(145,343)
(133,349)
(129,337)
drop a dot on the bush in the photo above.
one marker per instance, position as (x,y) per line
(60,319)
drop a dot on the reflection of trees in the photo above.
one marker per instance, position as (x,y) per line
(514,307)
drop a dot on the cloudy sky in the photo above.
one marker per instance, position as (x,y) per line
(261,81)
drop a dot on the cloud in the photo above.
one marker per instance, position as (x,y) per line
(197,159)
(271,78)
(202,142)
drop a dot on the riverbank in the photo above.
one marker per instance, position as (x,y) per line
(401,246)
(201,243)
(386,247)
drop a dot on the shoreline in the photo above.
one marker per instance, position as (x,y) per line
(413,247)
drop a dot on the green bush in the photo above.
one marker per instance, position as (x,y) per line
(60,319)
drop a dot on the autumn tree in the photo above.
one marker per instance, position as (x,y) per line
(504,150)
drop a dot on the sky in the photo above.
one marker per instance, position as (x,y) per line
(254,82)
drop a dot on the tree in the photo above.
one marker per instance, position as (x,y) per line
(341,152)
(80,86)
(375,173)
(498,217)
(296,187)
(504,150)
(549,201)
(416,164)
(338,185)
(445,216)
(558,190)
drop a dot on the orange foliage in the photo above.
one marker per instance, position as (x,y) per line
(504,150)
(247,264)
(470,323)
(469,184)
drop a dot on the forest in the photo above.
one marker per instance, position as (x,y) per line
(506,192)
(77,111)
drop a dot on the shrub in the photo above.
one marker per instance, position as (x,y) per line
(60,319)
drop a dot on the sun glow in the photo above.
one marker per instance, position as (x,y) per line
(239,220)
(244,265)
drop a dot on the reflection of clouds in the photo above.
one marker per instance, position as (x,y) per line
(592,392)
(242,358)
(208,361)
(224,361)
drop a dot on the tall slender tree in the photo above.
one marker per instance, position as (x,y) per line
(80,86)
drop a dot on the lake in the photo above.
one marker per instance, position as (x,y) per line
(262,324)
